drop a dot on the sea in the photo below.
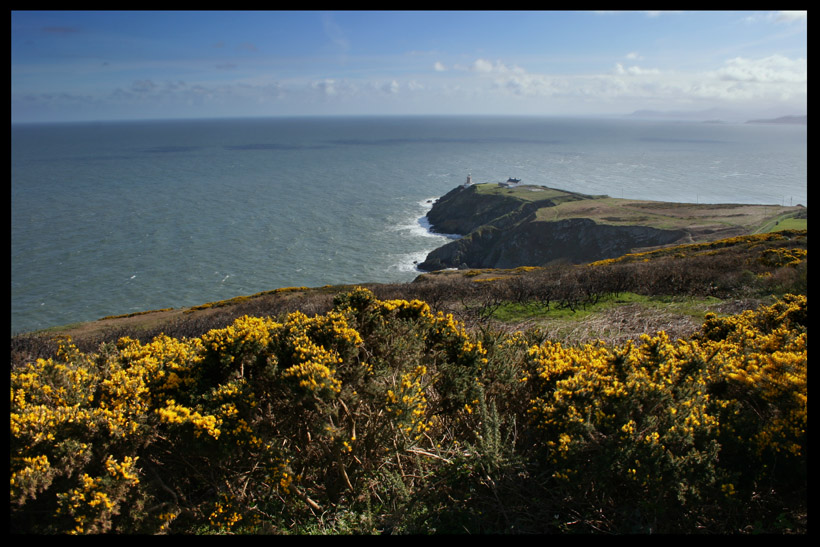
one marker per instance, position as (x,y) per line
(112,218)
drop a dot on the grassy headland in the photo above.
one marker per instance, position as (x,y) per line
(704,219)
(530,225)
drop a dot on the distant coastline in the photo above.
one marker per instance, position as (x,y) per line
(790,120)
(715,115)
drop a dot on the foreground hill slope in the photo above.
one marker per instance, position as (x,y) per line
(383,416)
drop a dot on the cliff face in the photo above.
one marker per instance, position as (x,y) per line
(502,232)
(463,210)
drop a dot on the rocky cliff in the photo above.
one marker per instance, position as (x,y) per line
(502,231)
(463,210)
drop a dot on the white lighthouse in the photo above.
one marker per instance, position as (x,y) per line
(469,181)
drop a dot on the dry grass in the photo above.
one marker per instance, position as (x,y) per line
(628,322)
(619,324)
(705,222)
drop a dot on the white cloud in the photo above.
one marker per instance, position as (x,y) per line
(769,80)
(485,66)
(482,85)
(488,67)
(391,87)
(326,87)
(482,65)
(774,68)
(634,70)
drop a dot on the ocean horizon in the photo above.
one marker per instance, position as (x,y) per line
(111,218)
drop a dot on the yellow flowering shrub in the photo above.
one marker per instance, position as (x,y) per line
(782,257)
(408,403)
(679,419)
(309,350)
(169,361)
(452,336)
(228,352)
(269,422)
(762,381)
(413,309)
(643,407)
(224,516)
(681,251)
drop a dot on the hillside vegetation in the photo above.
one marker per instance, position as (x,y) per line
(472,401)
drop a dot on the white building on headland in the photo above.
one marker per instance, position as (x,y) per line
(510,183)
(469,181)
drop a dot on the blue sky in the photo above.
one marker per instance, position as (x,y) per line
(111,65)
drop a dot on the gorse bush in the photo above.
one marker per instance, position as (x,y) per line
(384,416)
(666,426)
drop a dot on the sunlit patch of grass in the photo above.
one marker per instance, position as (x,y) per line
(695,307)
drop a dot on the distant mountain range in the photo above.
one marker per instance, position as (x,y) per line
(714,115)
(784,119)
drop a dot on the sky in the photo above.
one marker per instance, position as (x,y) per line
(120,65)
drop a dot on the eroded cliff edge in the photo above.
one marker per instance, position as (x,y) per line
(536,225)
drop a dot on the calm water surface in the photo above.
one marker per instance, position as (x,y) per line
(113,218)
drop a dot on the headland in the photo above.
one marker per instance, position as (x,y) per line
(507,226)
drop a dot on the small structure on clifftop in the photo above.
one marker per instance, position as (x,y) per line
(469,181)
